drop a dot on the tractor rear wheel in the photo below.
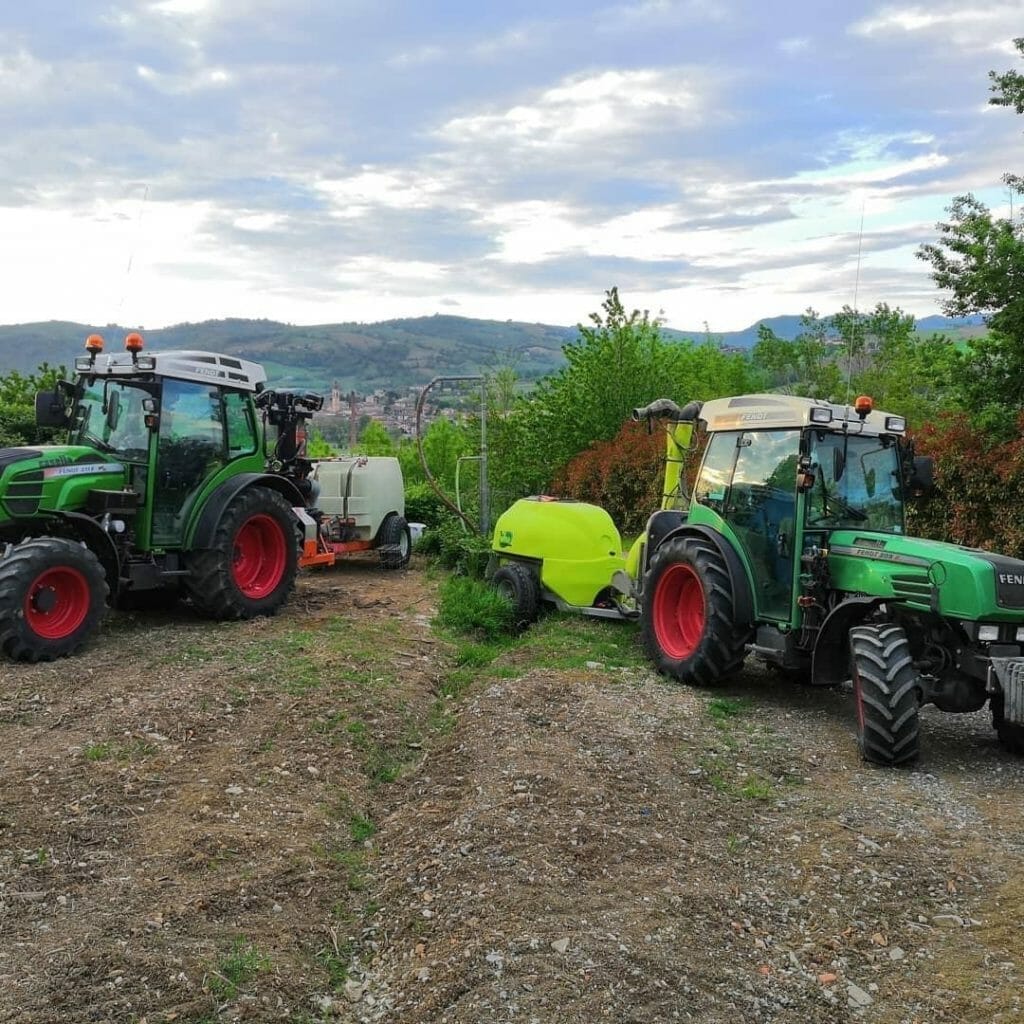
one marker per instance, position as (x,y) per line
(1011,735)
(394,542)
(687,620)
(886,692)
(53,593)
(517,583)
(250,568)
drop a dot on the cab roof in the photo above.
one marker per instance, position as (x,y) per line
(205,367)
(750,412)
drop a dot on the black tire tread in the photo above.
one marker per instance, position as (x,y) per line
(210,584)
(887,686)
(1010,734)
(389,542)
(525,588)
(18,569)
(722,649)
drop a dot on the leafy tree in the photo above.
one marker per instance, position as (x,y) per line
(980,260)
(17,405)
(375,440)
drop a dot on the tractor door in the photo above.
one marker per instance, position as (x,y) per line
(191,449)
(761,509)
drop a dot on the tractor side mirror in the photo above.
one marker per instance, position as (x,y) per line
(50,409)
(922,479)
(113,410)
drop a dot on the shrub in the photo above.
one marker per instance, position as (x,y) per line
(422,505)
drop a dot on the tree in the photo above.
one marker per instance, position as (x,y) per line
(980,260)
(17,405)
(375,440)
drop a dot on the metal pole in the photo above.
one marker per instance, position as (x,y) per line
(485,490)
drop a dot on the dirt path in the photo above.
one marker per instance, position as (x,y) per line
(287,820)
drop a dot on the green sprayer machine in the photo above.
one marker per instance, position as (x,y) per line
(791,548)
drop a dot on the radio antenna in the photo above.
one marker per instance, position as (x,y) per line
(131,252)
(856,312)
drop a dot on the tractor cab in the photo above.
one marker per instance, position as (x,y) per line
(781,473)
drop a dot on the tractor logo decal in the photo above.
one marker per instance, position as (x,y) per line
(504,538)
(1012,578)
(81,470)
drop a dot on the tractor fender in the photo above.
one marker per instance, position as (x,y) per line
(209,519)
(831,658)
(742,595)
(99,542)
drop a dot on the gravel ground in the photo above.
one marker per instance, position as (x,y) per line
(288,821)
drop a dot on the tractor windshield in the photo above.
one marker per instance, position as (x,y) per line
(109,415)
(856,483)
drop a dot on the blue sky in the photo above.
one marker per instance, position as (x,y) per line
(347,160)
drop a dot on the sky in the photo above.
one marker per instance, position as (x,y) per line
(164,161)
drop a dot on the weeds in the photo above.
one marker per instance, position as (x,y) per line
(722,709)
(471,607)
(235,968)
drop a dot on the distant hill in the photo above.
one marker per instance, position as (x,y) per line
(389,354)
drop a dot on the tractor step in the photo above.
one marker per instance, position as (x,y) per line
(1010,674)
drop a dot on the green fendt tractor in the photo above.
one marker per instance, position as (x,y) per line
(161,490)
(792,548)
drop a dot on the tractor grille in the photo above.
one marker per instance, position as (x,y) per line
(24,493)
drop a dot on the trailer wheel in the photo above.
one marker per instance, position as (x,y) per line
(886,692)
(1011,735)
(518,584)
(250,568)
(394,542)
(687,619)
(53,593)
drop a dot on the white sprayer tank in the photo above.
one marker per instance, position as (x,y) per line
(362,488)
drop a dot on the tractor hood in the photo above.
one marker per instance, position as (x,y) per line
(48,478)
(964,583)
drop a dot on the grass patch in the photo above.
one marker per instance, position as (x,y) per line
(98,751)
(722,709)
(473,608)
(361,828)
(235,968)
(570,641)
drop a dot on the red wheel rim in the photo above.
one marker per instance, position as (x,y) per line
(679,613)
(57,603)
(261,556)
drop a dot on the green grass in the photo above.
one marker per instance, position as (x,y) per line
(473,608)
(98,751)
(722,709)
(361,828)
(570,641)
(235,968)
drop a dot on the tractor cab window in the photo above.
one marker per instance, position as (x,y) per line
(716,470)
(192,447)
(856,483)
(761,510)
(242,438)
(109,416)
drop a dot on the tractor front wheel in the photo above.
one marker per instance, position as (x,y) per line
(53,593)
(394,542)
(687,619)
(250,568)
(518,584)
(1011,735)
(886,691)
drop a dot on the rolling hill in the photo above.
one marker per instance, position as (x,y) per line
(388,354)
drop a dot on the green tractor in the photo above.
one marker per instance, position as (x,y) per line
(162,490)
(792,548)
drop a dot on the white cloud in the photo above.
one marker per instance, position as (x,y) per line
(959,27)
(794,45)
(583,109)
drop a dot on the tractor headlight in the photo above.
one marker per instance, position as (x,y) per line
(821,414)
(895,424)
(1020,633)
(988,632)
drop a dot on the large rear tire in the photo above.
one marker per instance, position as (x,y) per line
(53,593)
(394,542)
(250,568)
(886,690)
(518,584)
(687,619)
